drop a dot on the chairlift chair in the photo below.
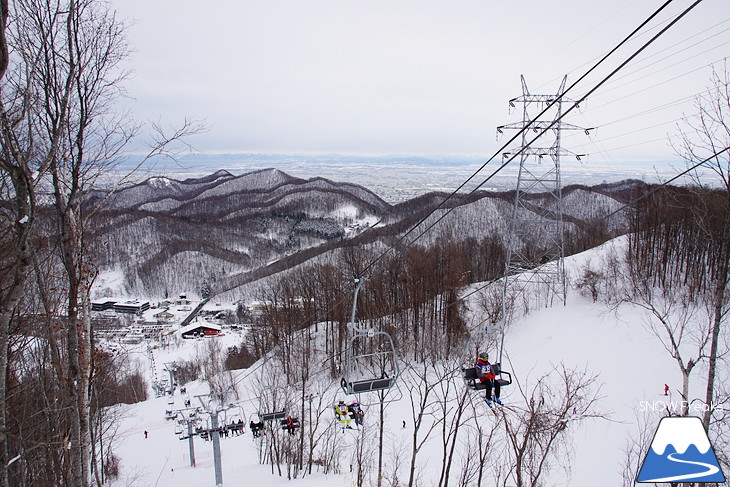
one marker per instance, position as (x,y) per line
(232,420)
(294,424)
(473,346)
(471,380)
(273,404)
(361,368)
(371,363)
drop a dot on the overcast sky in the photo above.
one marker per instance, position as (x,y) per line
(409,76)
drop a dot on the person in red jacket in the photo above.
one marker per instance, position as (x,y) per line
(486,376)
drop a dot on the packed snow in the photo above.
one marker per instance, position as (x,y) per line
(615,344)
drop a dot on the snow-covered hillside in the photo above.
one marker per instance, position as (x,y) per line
(617,346)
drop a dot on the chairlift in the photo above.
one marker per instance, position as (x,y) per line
(474,345)
(236,420)
(470,377)
(346,414)
(371,363)
(257,427)
(289,424)
(368,370)
(273,404)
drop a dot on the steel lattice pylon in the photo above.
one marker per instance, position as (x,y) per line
(535,246)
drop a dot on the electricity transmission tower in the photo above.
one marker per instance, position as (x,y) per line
(535,243)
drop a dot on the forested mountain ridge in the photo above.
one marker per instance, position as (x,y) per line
(167,236)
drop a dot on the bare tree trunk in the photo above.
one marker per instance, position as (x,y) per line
(721,281)
(11,298)
(21,266)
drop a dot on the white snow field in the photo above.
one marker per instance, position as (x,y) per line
(631,363)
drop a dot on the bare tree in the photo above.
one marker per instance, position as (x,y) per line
(537,431)
(480,444)
(212,360)
(454,414)
(59,130)
(702,135)
(25,155)
(421,384)
(636,448)
(675,319)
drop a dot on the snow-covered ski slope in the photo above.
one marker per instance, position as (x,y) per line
(631,363)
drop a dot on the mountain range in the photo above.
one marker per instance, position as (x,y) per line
(167,236)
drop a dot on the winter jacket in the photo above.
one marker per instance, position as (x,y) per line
(484,370)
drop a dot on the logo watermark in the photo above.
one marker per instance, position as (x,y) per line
(678,407)
(680,451)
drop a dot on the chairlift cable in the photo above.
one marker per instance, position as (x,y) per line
(631,35)
(604,218)
(529,125)
(542,132)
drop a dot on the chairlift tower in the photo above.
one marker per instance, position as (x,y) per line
(535,243)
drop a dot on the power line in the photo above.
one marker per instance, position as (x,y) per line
(623,97)
(597,222)
(637,37)
(642,65)
(655,109)
(552,124)
(527,126)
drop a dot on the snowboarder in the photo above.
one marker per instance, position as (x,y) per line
(145,434)
(486,376)
(666,389)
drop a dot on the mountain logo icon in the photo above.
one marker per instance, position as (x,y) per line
(680,452)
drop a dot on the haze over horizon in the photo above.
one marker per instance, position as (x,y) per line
(420,77)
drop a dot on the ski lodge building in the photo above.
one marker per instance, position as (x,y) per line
(200,329)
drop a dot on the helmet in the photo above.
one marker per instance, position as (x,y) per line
(483,356)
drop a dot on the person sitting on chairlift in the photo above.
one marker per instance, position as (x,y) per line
(486,376)
(289,425)
(256,428)
(356,412)
(342,413)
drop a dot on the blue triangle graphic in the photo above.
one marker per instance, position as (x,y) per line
(675,454)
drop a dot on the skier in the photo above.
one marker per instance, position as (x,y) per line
(289,425)
(666,389)
(256,428)
(356,412)
(486,376)
(342,413)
